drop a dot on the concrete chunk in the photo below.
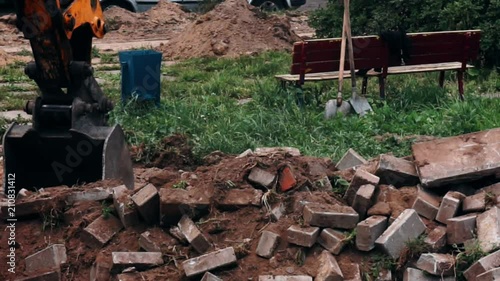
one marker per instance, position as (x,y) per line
(210,277)
(396,171)
(490,275)
(436,239)
(407,226)
(147,201)
(368,231)
(239,198)
(261,177)
(363,199)
(437,264)
(49,258)
(267,244)
(332,240)
(302,236)
(176,202)
(100,231)
(412,274)
(426,204)
(350,159)
(484,264)
(474,203)
(139,260)
(127,211)
(329,269)
(460,229)
(449,206)
(193,235)
(333,216)
(209,262)
(95,194)
(488,229)
(54,275)
(361,177)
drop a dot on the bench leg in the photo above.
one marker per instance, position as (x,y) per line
(381,84)
(460,78)
(365,84)
(300,95)
(441,79)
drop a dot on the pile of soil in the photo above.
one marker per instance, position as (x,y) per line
(231,29)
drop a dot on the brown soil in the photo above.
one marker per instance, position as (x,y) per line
(231,29)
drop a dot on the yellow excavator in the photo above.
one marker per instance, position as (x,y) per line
(69,141)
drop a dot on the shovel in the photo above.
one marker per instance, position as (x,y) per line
(359,103)
(339,106)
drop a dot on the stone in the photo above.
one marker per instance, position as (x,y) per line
(210,277)
(396,171)
(100,231)
(329,269)
(458,159)
(436,239)
(239,198)
(176,202)
(261,177)
(147,201)
(449,206)
(156,240)
(484,264)
(490,275)
(210,261)
(332,216)
(488,229)
(350,159)
(460,229)
(139,260)
(49,258)
(406,227)
(426,204)
(267,244)
(285,278)
(363,199)
(361,177)
(287,179)
(474,203)
(437,264)
(302,236)
(95,194)
(368,231)
(193,235)
(332,240)
(412,274)
(127,211)
(54,275)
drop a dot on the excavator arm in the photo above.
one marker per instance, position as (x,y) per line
(69,141)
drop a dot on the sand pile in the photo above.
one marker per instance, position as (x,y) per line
(231,29)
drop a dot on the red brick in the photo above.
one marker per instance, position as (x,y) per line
(156,240)
(239,198)
(287,180)
(426,204)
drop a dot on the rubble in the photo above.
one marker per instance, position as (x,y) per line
(49,258)
(412,274)
(490,275)
(156,240)
(474,203)
(437,264)
(350,159)
(210,277)
(210,261)
(147,201)
(333,216)
(436,239)
(329,269)
(238,198)
(483,265)
(302,236)
(176,202)
(267,244)
(363,199)
(460,229)
(361,177)
(193,235)
(100,231)
(368,231)
(54,275)
(261,177)
(287,180)
(332,240)
(450,206)
(488,229)
(96,194)
(127,211)
(285,278)
(139,260)
(426,204)
(396,171)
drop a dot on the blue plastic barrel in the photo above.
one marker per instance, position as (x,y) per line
(141,75)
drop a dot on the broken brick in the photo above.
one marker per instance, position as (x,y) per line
(261,177)
(210,261)
(267,244)
(482,265)
(332,240)
(287,180)
(238,198)
(406,227)
(474,203)
(100,231)
(302,236)
(54,275)
(329,269)
(436,239)
(176,202)
(127,212)
(350,159)
(147,201)
(361,177)
(332,216)
(49,258)
(363,199)
(460,229)
(488,229)
(396,171)
(193,235)
(368,231)
(437,264)
(449,206)
(210,277)
(156,240)
(139,260)
(426,204)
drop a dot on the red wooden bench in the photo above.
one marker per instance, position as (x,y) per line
(318,60)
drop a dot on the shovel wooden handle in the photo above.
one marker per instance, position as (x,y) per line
(342,60)
(347,20)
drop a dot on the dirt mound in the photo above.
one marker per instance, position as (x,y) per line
(231,29)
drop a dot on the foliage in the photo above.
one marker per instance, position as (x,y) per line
(470,253)
(371,17)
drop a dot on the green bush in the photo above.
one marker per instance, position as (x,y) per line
(370,17)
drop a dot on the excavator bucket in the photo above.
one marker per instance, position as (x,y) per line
(74,157)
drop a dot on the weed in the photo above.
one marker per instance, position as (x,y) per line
(51,219)
(490,199)
(181,185)
(339,185)
(379,262)
(414,248)
(350,238)
(300,257)
(24,53)
(468,254)
(95,52)
(106,210)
